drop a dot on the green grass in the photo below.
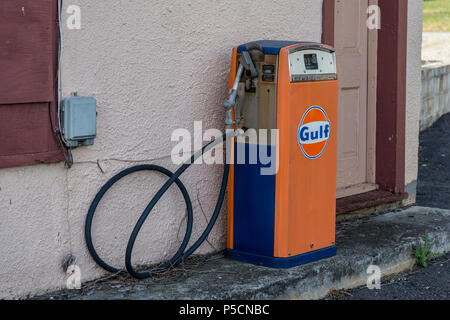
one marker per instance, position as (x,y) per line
(422,252)
(436,16)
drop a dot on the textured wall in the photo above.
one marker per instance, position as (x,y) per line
(435,94)
(153,66)
(415,13)
(34,228)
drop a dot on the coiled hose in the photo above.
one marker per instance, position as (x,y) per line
(182,253)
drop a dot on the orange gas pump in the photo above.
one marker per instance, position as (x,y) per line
(286,218)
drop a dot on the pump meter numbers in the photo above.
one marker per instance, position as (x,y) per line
(311,61)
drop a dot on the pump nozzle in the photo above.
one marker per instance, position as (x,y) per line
(245,62)
(228,104)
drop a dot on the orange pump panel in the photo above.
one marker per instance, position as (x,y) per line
(230,202)
(302,222)
(305,201)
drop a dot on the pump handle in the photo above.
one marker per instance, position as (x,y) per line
(247,62)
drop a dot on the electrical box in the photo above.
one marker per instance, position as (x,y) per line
(287,217)
(79,115)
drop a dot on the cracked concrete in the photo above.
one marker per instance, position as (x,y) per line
(383,240)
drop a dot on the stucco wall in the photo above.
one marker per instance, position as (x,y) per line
(153,66)
(413,100)
(34,228)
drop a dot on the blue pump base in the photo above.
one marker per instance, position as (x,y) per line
(281,263)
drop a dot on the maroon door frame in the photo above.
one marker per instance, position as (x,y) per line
(391,90)
(28,83)
(391,95)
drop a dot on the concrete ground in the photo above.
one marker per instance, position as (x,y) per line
(432,283)
(436,47)
(433,190)
(383,240)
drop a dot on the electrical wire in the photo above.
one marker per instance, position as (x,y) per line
(69,158)
(60,48)
(181,254)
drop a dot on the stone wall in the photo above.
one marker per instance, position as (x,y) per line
(435,94)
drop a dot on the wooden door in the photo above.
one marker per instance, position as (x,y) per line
(351,43)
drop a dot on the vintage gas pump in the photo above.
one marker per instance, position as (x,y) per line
(285,218)
(278,216)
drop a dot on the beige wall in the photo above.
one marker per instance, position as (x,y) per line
(153,66)
(34,234)
(413,99)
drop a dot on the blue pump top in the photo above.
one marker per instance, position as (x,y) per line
(270,46)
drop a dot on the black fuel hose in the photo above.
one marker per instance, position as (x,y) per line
(181,253)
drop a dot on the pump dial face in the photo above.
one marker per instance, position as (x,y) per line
(311,64)
(311,61)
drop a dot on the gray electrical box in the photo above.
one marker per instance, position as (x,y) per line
(79,125)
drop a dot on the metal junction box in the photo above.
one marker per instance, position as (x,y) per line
(79,125)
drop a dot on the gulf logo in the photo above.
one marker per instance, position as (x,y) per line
(314,132)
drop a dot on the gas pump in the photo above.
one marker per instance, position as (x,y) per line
(286,218)
(277,219)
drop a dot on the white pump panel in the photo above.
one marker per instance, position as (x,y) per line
(312,65)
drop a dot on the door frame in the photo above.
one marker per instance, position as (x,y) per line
(387,104)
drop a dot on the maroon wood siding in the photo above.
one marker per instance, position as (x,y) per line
(28,75)
(328,22)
